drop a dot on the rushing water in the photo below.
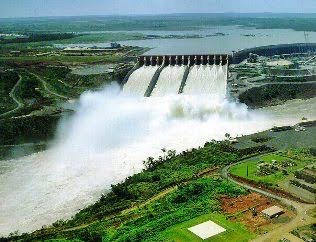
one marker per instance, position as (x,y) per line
(207,79)
(169,80)
(106,140)
(201,80)
(110,134)
(139,80)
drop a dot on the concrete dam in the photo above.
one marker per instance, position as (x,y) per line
(173,74)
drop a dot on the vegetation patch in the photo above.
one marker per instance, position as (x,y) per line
(150,223)
(8,80)
(172,189)
(29,129)
(260,139)
(273,168)
(274,94)
(306,233)
(37,37)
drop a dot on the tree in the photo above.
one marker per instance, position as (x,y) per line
(227,136)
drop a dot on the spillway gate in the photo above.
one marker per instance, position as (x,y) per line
(158,75)
(183,60)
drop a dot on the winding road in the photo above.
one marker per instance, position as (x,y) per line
(45,85)
(302,212)
(15,99)
(19,103)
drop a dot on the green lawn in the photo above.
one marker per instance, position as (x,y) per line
(234,231)
(276,178)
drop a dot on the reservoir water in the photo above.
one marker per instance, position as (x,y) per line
(215,40)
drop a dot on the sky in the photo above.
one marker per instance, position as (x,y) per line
(37,8)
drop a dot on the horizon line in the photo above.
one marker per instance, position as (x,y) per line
(153,14)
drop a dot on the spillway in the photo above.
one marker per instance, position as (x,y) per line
(139,80)
(188,74)
(169,80)
(207,79)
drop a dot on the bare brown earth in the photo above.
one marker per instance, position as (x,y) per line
(243,203)
(240,210)
(281,227)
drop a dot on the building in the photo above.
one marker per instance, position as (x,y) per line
(280,63)
(272,212)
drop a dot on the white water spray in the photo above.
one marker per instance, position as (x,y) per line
(207,79)
(139,80)
(106,140)
(169,81)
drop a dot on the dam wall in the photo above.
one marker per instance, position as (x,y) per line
(159,75)
(183,59)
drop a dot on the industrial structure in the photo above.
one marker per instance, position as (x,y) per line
(158,75)
(189,74)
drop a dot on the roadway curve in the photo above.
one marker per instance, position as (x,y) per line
(302,212)
(45,85)
(21,104)
(15,99)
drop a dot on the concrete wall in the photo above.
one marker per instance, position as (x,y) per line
(183,59)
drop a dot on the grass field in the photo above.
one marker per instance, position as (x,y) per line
(234,231)
(279,176)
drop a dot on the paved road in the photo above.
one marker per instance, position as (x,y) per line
(302,209)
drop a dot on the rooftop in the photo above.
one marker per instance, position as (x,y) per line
(279,63)
(272,211)
(207,229)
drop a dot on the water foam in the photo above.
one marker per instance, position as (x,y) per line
(169,80)
(207,79)
(139,80)
(106,140)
